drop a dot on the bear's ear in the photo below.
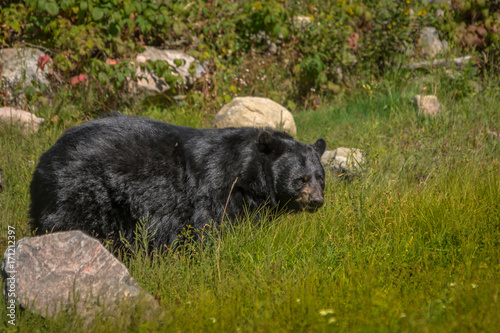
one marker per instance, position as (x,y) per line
(319,146)
(264,142)
(265,138)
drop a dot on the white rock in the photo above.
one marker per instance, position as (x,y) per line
(430,43)
(437,1)
(19,65)
(428,105)
(494,134)
(18,70)
(343,159)
(26,120)
(459,62)
(302,21)
(255,112)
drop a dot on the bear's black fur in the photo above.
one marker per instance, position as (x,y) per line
(104,176)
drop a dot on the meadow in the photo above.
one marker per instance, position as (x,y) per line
(410,244)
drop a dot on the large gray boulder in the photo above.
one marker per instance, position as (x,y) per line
(255,112)
(64,270)
(178,60)
(20,67)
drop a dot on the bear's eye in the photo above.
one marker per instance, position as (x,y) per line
(300,181)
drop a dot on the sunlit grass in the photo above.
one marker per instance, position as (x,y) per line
(411,244)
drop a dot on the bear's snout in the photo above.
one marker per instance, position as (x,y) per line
(316,201)
(311,196)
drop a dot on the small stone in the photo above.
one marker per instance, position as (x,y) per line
(150,82)
(459,62)
(302,21)
(430,43)
(263,38)
(428,105)
(255,112)
(26,120)
(462,61)
(345,162)
(437,1)
(338,74)
(273,48)
(494,134)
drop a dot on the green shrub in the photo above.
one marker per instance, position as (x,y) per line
(473,25)
(344,40)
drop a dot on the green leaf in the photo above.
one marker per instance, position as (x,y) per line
(114,29)
(15,25)
(66,4)
(52,8)
(284,32)
(276,30)
(30,91)
(42,4)
(120,77)
(138,6)
(97,13)
(103,78)
(116,17)
(178,28)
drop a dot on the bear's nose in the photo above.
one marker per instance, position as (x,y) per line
(316,202)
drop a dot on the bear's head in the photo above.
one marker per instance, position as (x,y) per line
(297,173)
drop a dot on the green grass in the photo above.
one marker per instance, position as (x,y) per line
(411,245)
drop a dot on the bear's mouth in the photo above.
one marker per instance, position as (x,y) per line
(305,202)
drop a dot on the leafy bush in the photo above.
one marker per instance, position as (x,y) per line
(474,25)
(336,43)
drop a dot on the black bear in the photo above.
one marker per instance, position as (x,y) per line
(105,175)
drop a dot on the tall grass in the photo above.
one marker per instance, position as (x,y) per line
(411,244)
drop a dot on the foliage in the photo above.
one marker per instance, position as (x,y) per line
(473,25)
(87,38)
(319,46)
